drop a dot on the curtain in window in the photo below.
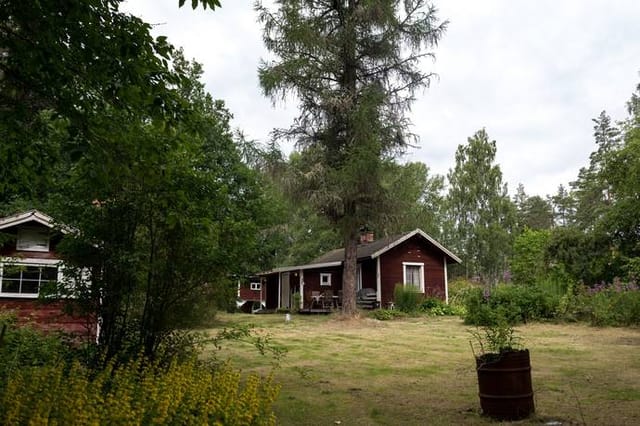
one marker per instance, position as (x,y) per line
(413,276)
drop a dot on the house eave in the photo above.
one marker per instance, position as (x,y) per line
(30,216)
(411,234)
(300,268)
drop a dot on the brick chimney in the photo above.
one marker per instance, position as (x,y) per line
(366,237)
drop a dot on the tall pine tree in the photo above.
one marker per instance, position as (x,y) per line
(354,67)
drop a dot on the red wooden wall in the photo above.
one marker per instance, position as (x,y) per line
(49,316)
(412,250)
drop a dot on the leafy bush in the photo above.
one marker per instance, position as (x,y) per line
(137,393)
(407,299)
(437,307)
(387,314)
(497,338)
(27,347)
(514,303)
(528,264)
(616,304)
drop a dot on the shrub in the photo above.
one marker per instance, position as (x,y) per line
(27,347)
(137,393)
(406,299)
(437,307)
(614,304)
(387,314)
(515,303)
(497,338)
(528,264)
(458,291)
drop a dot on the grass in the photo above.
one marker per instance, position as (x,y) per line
(421,371)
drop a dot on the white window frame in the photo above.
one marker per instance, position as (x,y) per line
(256,286)
(32,239)
(404,273)
(324,276)
(45,263)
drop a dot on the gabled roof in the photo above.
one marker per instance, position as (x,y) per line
(378,247)
(370,250)
(29,216)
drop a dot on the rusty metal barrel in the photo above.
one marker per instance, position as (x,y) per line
(504,381)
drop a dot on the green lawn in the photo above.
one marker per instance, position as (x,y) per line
(421,371)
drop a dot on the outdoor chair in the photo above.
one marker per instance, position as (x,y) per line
(316,298)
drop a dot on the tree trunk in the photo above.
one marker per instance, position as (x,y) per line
(349,274)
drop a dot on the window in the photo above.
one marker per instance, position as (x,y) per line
(26,280)
(325,279)
(414,275)
(256,286)
(33,239)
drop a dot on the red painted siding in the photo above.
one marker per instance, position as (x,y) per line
(312,282)
(49,316)
(412,250)
(250,295)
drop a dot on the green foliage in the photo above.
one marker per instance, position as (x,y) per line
(137,393)
(23,347)
(437,307)
(387,314)
(496,338)
(459,288)
(114,132)
(528,261)
(533,212)
(174,220)
(616,304)
(480,213)
(418,195)
(355,71)
(65,65)
(513,303)
(406,299)
(604,234)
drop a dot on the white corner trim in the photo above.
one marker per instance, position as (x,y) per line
(378,281)
(446,281)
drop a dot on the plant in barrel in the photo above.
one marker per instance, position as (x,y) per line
(504,371)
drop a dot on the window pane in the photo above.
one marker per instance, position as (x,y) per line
(49,274)
(31,273)
(11,272)
(10,285)
(413,276)
(30,287)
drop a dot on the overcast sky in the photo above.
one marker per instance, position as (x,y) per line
(533,73)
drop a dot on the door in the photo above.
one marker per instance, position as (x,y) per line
(285,291)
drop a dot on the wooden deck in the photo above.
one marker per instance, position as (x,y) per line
(319,311)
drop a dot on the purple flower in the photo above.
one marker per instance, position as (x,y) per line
(486,293)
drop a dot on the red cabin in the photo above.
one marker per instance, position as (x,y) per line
(28,262)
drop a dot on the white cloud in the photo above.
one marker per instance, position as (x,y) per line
(533,74)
